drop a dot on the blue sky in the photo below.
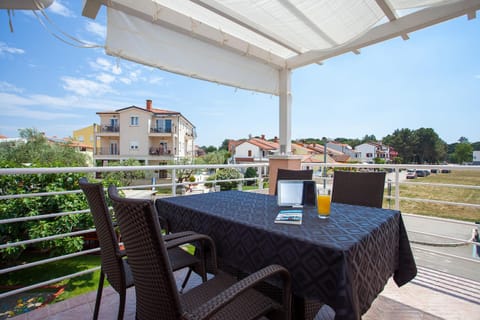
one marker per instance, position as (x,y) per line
(431,80)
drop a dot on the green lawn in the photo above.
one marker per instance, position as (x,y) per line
(451,194)
(54,293)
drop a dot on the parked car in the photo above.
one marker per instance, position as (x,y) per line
(434,170)
(411,174)
(421,173)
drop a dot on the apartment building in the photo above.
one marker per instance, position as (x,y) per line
(152,136)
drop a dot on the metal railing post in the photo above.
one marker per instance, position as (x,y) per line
(397,188)
(174,182)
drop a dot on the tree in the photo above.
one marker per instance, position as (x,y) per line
(476,146)
(403,141)
(38,152)
(226,174)
(224,145)
(250,173)
(463,152)
(124,178)
(368,138)
(216,157)
(429,148)
(463,140)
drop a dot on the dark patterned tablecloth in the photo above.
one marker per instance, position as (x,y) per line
(343,261)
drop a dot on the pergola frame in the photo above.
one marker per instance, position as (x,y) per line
(274,66)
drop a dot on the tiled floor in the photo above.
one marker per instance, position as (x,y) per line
(431,295)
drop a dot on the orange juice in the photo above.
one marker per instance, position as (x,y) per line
(323,205)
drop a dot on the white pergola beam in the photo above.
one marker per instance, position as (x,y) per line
(410,23)
(188,25)
(390,13)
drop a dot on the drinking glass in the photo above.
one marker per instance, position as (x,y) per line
(323,203)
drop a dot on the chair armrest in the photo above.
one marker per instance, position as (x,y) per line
(205,240)
(172,236)
(212,306)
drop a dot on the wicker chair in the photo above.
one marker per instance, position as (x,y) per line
(286,174)
(115,265)
(221,297)
(359,188)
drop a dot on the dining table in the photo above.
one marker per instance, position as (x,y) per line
(343,261)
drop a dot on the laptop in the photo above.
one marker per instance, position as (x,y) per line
(296,193)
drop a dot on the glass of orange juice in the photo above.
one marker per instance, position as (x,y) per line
(323,203)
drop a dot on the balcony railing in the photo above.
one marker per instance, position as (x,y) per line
(106,151)
(161,130)
(107,129)
(159,152)
(425,241)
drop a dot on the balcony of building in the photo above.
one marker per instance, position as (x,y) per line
(160,132)
(447,285)
(108,130)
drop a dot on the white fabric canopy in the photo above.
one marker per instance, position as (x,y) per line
(245,43)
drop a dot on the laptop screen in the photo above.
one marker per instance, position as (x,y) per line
(289,192)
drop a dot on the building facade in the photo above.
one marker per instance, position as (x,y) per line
(152,136)
(85,136)
(370,150)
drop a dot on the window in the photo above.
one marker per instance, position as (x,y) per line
(249,153)
(134,121)
(113,148)
(369,155)
(163,125)
(168,125)
(133,145)
(80,138)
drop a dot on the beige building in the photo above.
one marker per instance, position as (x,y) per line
(85,136)
(152,136)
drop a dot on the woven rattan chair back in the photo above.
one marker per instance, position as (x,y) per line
(286,174)
(114,266)
(155,288)
(358,188)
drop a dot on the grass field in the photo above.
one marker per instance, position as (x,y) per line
(443,193)
(65,289)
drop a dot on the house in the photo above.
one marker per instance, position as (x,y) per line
(371,150)
(151,136)
(12,141)
(476,158)
(253,150)
(344,148)
(85,136)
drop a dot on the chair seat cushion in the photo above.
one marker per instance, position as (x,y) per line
(249,304)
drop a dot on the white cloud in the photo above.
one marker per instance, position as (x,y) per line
(8,87)
(27,107)
(105,78)
(105,65)
(4,48)
(155,80)
(97,29)
(135,75)
(102,64)
(84,87)
(58,8)
(125,80)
